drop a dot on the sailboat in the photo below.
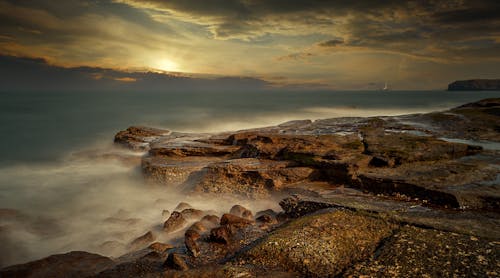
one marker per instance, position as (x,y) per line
(385,87)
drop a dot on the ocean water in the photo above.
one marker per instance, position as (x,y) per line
(52,202)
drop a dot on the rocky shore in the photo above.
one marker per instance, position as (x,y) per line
(402,196)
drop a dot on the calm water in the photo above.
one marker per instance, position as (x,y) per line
(62,203)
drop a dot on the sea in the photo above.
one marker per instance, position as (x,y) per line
(54,201)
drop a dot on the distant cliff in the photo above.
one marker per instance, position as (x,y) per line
(475,85)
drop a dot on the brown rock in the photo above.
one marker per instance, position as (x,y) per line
(229,219)
(241,212)
(220,234)
(160,247)
(320,245)
(190,238)
(138,137)
(176,261)
(175,222)
(211,220)
(191,213)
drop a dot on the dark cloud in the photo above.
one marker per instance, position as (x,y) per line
(331,43)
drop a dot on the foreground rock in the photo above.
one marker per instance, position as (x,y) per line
(416,252)
(320,245)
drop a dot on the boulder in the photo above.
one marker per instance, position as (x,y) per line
(236,221)
(220,234)
(175,222)
(320,245)
(160,247)
(241,212)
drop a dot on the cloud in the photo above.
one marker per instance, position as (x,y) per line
(331,43)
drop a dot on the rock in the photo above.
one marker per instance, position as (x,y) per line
(220,234)
(417,252)
(247,176)
(475,85)
(182,206)
(142,241)
(138,137)
(191,213)
(321,245)
(211,220)
(173,171)
(160,247)
(165,213)
(453,184)
(233,220)
(266,212)
(176,261)
(267,219)
(72,264)
(297,206)
(175,222)
(394,149)
(190,238)
(241,212)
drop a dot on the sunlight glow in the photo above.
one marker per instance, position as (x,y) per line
(166,65)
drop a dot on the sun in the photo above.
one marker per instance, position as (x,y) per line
(167,65)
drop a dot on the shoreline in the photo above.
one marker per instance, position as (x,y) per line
(392,172)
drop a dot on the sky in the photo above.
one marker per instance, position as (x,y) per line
(338,45)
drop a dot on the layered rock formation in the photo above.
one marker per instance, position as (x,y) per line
(406,196)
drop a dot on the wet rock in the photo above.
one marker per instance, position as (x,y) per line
(72,264)
(450,184)
(394,149)
(417,252)
(142,241)
(211,220)
(191,213)
(190,148)
(175,222)
(233,220)
(138,137)
(220,234)
(266,212)
(321,245)
(160,247)
(241,212)
(176,261)
(296,206)
(247,176)
(190,238)
(173,171)
(267,219)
